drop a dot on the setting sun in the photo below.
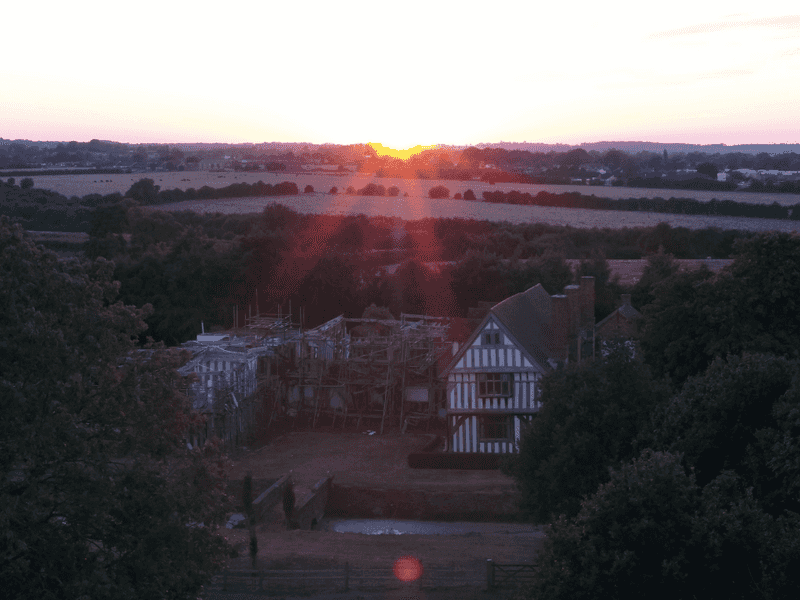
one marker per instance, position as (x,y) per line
(403,154)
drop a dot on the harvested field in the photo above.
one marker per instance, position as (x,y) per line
(81,185)
(417,205)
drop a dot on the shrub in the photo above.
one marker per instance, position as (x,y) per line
(309,189)
(334,190)
(457,196)
(439,192)
(469,195)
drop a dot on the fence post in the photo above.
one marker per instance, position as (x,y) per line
(346,576)
(490,573)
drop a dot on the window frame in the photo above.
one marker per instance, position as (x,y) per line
(495,385)
(491,424)
(488,336)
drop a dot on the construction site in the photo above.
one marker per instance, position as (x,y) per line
(374,372)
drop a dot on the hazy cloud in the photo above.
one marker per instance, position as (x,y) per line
(725,73)
(785,22)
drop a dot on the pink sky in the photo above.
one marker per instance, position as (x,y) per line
(403,73)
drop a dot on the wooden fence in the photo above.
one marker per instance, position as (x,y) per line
(337,580)
(507,575)
(283,582)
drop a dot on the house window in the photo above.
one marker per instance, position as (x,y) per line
(495,385)
(490,339)
(495,427)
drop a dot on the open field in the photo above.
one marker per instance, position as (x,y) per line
(356,458)
(81,185)
(417,205)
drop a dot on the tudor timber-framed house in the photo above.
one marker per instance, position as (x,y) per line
(493,380)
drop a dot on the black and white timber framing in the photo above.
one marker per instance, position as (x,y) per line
(493,380)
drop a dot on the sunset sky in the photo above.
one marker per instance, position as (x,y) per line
(402,73)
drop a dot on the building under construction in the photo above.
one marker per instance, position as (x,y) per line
(375,371)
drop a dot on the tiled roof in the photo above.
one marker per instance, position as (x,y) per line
(527,317)
(626,310)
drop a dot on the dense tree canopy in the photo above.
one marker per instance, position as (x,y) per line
(590,420)
(751,306)
(739,416)
(99,496)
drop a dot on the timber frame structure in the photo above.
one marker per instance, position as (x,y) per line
(383,372)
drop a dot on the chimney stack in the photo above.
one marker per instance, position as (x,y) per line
(573,293)
(559,328)
(587,302)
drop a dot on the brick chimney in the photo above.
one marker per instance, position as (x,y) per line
(573,293)
(587,302)
(559,328)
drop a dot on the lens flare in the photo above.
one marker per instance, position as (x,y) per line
(407,568)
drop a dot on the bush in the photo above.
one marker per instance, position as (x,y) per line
(26,183)
(372,189)
(439,192)
(393,191)
(334,190)
(469,195)
(309,189)
(457,196)
(630,536)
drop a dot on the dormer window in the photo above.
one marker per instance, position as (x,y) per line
(491,339)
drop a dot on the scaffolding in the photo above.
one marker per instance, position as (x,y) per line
(356,370)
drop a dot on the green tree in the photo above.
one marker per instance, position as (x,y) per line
(439,192)
(659,267)
(708,169)
(740,415)
(591,417)
(651,527)
(629,538)
(478,277)
(753,305)
(550,269)
(99,496)
(328,290)
(144,191)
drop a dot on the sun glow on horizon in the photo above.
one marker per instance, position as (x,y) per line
(403,154)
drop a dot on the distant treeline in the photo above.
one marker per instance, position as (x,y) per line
(147,193)
(34,172)
(679,206)
(45,210)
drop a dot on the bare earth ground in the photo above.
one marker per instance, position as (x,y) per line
(356,458)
